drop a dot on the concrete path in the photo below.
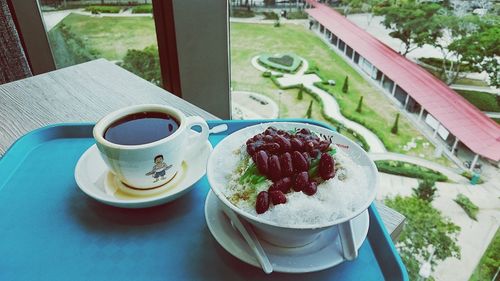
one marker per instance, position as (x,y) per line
(250,105)
(475,88)
(452,175)
(51,19)
(492,114)
(330,105)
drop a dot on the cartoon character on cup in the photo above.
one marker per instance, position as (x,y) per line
(158,171)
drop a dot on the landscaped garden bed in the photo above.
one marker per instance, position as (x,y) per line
(405,169)
(143,9)
(470,208)
(482,100)
(103,9)
(250,40)
(287,62)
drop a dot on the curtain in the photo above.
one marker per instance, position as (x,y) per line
(13,62)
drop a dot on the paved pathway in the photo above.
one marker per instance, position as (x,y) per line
(330,105)
(452,175)
(492,114)
(51,19)
(250,105)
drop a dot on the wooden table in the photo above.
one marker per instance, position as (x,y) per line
(88,91)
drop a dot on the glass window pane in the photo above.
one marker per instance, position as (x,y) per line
(119,31)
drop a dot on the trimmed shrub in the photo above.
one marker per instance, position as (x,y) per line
(345,87)
(426,190)
(470,208)
(144,63)
(266,74)
(297,15)
(300,95)
(394,128)
(309,110)
(410,170)
(103,9)
(242,13)
(360,104)
(143,9)
(270,16)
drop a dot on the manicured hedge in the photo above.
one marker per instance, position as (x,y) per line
(142,9)
(103,9)
(280,63)
(470,208)
(296,15)
(410,170)
(242,13)
(271,16)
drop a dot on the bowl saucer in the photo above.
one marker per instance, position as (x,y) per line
(323,253)
(95,179)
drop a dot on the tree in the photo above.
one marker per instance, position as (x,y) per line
(426,190)
(426,230)
(300,95)
(144,63)
(394,128)
(345,87)
(413,23)
(309,110)
(476,43)
(360,104)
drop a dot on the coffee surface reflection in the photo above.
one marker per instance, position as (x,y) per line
(141,128)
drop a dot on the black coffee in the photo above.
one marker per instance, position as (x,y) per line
(141,128)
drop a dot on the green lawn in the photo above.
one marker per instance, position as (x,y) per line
(249,40)
(113,36)
(482,100)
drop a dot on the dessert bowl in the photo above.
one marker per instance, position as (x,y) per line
(306,216)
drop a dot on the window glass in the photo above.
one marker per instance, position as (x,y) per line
(119,31)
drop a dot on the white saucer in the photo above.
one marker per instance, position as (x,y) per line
(95,179)
(321,254)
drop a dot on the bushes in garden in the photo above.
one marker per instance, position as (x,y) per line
(425,228)
(74,45)
(470,208)
(103,9)
(270,16)
(142,9)
(242,13)
(144,63)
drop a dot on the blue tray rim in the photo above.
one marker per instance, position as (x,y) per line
(21,147)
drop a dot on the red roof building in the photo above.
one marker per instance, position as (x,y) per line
(411,85)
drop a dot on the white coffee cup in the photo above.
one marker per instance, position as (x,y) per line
(150,165)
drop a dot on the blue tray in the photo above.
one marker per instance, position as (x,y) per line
(50,230)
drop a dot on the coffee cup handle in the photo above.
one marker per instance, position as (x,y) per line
(195,140)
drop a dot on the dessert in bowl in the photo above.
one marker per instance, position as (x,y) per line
(291,180)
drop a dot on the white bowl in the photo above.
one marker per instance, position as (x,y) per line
(223,161)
